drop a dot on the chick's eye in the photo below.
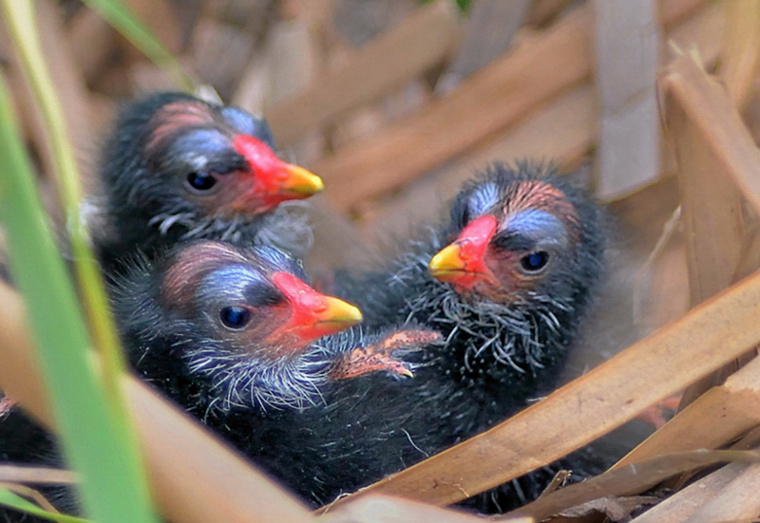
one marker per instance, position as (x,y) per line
(535,261)
(201,181)
(235,317)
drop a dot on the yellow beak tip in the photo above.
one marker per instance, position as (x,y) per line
(355,315)
(319,185)
(341,314)
(303,182)
(446,262)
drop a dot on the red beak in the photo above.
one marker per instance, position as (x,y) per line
(275,180)
(462,262)
(314,314)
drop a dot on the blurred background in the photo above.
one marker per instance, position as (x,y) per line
(394,103)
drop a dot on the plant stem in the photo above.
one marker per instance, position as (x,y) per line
(39,262)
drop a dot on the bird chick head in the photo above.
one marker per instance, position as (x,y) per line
(175,155)
(517,234)
(251,302)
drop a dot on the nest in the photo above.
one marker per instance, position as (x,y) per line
(395,104)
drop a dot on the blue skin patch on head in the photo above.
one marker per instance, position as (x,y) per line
(483,199)
(228,283)
(541,226)
(200,142)
(244,123)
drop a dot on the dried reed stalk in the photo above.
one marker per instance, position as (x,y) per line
(711,207)
(711,142)
(611,394)
(717,417)
(540,69)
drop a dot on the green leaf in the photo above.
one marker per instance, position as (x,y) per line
(23,28)
(97,441)
(12,500)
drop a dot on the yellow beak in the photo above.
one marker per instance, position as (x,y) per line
(447,264)
(301,182)
(337,316)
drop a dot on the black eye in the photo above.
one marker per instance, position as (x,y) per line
(201,181)
(534,261)
(235,317)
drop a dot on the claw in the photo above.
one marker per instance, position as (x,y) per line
(6,404)
(655,415)
(379,356)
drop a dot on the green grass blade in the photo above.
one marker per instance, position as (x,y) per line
(12,500)
(113,487)
(23,29)
(124,20)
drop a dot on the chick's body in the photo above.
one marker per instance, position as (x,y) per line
(520,259)
(507,331)
(267,384)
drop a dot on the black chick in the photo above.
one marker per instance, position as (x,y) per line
(177,168)
(239,340)
(513,272)
(220,328)
(223,330)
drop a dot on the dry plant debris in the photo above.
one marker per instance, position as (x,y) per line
(373,122)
